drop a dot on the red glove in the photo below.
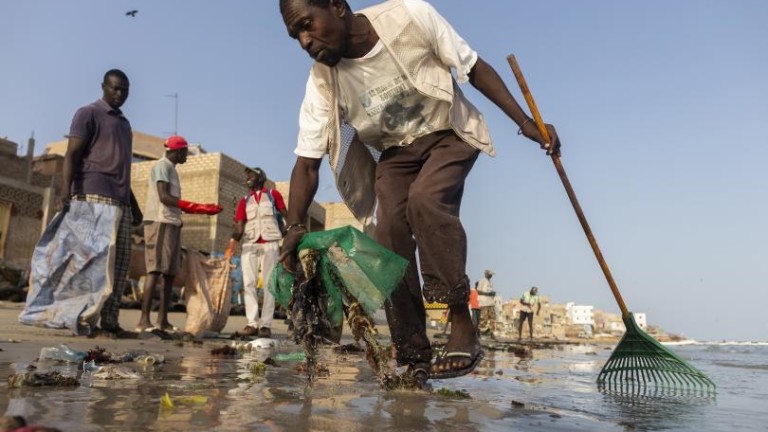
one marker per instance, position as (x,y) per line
(198,208)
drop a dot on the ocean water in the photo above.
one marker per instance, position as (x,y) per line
(551,389)
(562,381)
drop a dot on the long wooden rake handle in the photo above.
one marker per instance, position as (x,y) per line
(566,183)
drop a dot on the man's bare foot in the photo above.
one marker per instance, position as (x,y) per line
(462,352)
(167,327)
(143,326)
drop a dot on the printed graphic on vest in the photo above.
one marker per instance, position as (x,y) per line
(398,103)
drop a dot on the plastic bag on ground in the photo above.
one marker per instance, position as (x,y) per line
(208,293)
(72,271)
(62,353)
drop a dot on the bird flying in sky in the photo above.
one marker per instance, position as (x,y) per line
(132,13)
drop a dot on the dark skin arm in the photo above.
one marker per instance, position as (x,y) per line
(238,229)
(485,79)
(72,157)
(237,234)
(164,193)
(137,216)
(284,212)
(304,183)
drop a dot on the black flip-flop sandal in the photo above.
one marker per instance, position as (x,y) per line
(454,373)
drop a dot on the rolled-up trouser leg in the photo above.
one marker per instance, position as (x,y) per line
(405,307)
(419,189)
(433,208)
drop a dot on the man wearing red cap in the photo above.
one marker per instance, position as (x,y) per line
(162,233)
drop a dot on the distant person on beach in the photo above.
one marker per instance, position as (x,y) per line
(484,285)
(528,300)
(486,294)
(382,81)
(448,317)
(474,305)
(258,223)
(162,232)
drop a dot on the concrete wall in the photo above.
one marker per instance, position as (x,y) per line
(28,203)
(13,166)
(316,215)
(337,215)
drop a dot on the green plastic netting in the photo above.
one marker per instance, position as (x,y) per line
(369,271)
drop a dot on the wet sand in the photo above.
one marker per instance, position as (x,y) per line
(523,387)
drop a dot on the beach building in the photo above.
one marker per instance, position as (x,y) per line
(26,204)
(29,194)
(549,323)
(608,323)
(553,319)
(580,319)
(612,323)
(641,319)
(579,314)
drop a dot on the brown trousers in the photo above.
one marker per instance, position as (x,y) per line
(419,188)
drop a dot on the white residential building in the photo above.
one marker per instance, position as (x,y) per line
(579,314)
(641,319)
(498,308)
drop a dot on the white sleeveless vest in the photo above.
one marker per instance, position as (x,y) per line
(262,221)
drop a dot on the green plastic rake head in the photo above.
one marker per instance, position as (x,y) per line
(639,362)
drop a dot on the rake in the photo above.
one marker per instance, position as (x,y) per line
(638,362)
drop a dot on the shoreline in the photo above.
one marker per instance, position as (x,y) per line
(22,343)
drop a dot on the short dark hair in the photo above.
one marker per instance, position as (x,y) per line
(318,3)
(116,73)
(256,170)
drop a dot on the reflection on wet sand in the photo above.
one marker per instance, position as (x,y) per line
(657,409)
(550,389)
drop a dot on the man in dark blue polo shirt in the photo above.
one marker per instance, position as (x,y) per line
(97,169)
(81,261)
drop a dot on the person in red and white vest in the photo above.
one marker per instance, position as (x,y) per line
(258,225)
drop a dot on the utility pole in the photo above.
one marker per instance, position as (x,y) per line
(175,96)
(30,156)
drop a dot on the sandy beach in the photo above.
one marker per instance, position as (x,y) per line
(538,386)
(190,368)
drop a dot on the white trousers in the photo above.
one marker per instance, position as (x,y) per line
(257,256)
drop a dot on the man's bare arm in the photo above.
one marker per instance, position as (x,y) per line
(75,148)
(485,79)
(304,182)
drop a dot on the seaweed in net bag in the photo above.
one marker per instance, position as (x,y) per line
(343,274)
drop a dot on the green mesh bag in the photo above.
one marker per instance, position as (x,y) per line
(369,271)
(280,284)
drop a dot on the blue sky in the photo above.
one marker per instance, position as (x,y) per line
(660,106)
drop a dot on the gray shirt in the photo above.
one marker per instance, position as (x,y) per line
(105,167)
(163,171)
